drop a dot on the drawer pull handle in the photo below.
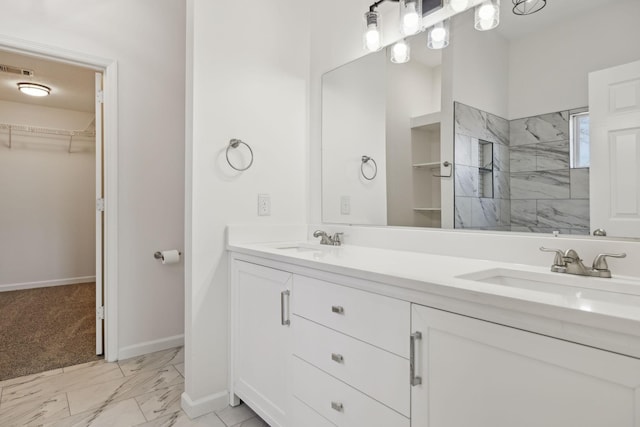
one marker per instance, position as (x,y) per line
(412,358)
(284,318)
(337,357)
(337,309)
(337,406)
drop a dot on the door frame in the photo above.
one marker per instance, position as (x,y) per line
(109,68)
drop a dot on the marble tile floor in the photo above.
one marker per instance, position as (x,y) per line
(141,391)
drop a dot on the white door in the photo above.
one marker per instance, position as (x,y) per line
(99,219)
(614,104)
(480,374)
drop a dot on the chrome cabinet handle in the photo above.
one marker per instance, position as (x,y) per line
(337,309)
(284,319)
(337,357)
(337,406)
(412,358)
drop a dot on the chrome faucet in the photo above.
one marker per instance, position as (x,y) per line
(325,239)
(569,262)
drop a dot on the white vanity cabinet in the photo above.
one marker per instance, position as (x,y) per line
(310,348)
(260,339)
(477,373)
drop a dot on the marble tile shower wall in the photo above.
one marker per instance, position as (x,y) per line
(534,188)
(473,176)
(546,193)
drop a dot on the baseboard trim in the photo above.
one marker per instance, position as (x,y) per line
(199,407)
(150,347)
(46,283)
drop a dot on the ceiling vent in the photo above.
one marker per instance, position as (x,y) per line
(15,70)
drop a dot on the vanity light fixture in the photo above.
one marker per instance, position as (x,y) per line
(410,17)
(33,89)
(527,7)
(487,16)
(372,33)
(438,35)
(400,52)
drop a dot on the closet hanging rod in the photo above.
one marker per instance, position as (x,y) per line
(46,131)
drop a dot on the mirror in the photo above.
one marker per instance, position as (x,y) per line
(491,132)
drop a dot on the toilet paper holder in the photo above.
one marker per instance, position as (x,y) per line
(158,254)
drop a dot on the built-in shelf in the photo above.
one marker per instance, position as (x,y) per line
(432,119)
(427,209)
(430,165)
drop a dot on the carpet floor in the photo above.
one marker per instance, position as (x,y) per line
(46,328)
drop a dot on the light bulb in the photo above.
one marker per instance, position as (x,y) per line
(410,17)
(438,35)
(372,36)
(487,15)
(400,52)
(458,5)
(372,39)
(486,12)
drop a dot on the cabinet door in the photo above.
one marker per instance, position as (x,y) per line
(476,373)
(261,339)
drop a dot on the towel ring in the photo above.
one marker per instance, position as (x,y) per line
(234,143)
(365,160)
(446,164)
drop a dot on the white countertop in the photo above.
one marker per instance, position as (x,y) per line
(608,304)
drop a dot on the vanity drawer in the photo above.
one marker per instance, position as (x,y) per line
(373,318)
(378,373)
(303,415)
(339,403)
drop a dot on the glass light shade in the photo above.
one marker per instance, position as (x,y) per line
(34,89)
(458,5)
(400,52)
(438,35)
(410,17)
(527,7)
(487,16)
(372,35)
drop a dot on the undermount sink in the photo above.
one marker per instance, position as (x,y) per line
(301,247)
(578,291)
(297,249)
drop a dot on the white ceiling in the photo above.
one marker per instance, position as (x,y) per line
(513,26)
(72,87)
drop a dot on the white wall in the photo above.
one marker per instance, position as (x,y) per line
(479,66)
(548,69)
(413,90)
(353,111)
(47,208)
(247,77)
(147,38)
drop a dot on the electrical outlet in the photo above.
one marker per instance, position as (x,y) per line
(345,205)
(264,205)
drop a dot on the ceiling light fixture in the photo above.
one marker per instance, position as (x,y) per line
(34,89)
(527,7)
(487,16)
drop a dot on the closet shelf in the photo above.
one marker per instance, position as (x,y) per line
(427,209)
(47,131)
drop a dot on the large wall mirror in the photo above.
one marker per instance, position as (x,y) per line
(531,127)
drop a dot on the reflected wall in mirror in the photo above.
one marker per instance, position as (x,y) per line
(512,113)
